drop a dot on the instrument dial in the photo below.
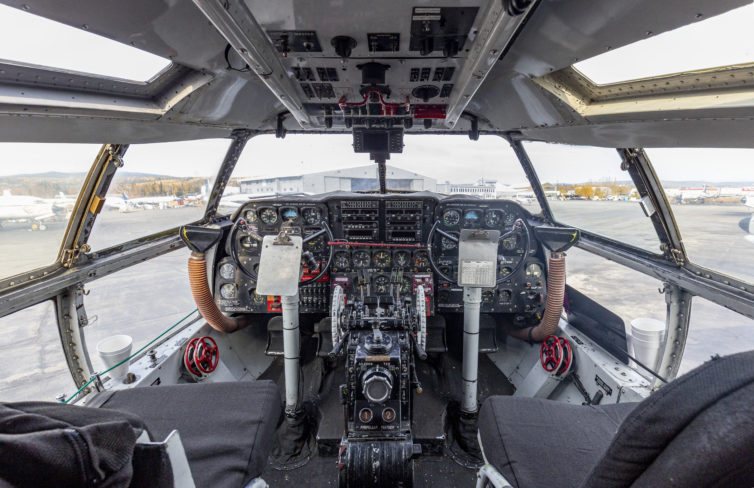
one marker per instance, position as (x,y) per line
(510,219)
(251,216)
(471,217)
(448,244)
(289,213)
(312,216)
(382,259)
(451,218)
(534,270)
(228,291)
(492,218)
(381,284)
(227,271)
(256,297)
(421,260)
(342,260)
(361,259)
(401,258)
(268,216)
(510,243)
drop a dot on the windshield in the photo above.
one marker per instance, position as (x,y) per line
(586,188)
(312,164)
(39,184)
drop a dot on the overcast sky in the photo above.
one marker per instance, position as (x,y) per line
(712,42)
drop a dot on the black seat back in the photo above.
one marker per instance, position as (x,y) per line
(696,431)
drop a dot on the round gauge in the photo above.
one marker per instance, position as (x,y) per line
(382,259)
(248,242)
(407,285)
(451,218)
(471,217)
(421,260)
(268,216)
(361,259)
(228,291)
(448,244)
(510,243)
(227,271)
(341,260)
(289,213)
(401,258)
(312,216)
(251,216)
(381,284)
(488,296)
(492,218)
(510,219)
(534,270)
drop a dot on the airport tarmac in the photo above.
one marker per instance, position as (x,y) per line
(145,299)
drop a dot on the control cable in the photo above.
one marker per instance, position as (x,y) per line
(97,375)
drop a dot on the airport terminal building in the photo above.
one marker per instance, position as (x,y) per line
(349,179)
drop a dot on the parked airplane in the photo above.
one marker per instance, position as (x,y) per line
(35,210)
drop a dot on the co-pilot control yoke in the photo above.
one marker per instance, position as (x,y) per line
(279,274)
(477,269)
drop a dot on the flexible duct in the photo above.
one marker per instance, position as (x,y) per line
(197,270)
(556,281)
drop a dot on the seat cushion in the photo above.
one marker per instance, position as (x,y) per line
(680,421)
(535,442)
(226,428)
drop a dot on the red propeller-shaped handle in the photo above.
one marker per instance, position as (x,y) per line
(206,354)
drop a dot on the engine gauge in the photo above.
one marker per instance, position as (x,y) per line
(534,270)
(401,258)
(361,259)
(268,216)
(312,216)
(227,271)
(228,291)
(421,260)
(381,284)
(492,218)
(251,216)
(382,259)
(509,220)
(488,296)
(289,213)
(451,218)
(342,260)
(471,217)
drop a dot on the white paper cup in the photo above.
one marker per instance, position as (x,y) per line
(113,350)
(645,340)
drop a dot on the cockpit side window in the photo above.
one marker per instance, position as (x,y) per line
(34,367)
(310,164)
(39,184)
(711,193)
(586,188)
(159,187)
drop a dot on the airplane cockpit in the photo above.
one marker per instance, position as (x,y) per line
(486,243)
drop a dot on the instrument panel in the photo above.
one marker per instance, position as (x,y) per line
(379,248)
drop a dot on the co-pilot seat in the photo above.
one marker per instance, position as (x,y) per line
(696,431)
(226,429)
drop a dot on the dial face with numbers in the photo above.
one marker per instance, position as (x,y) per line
(361,259)
(268,216)
(382,259)
(341,260)
(381,284)
(401,258)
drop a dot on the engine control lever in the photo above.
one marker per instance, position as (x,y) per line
(338,347)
